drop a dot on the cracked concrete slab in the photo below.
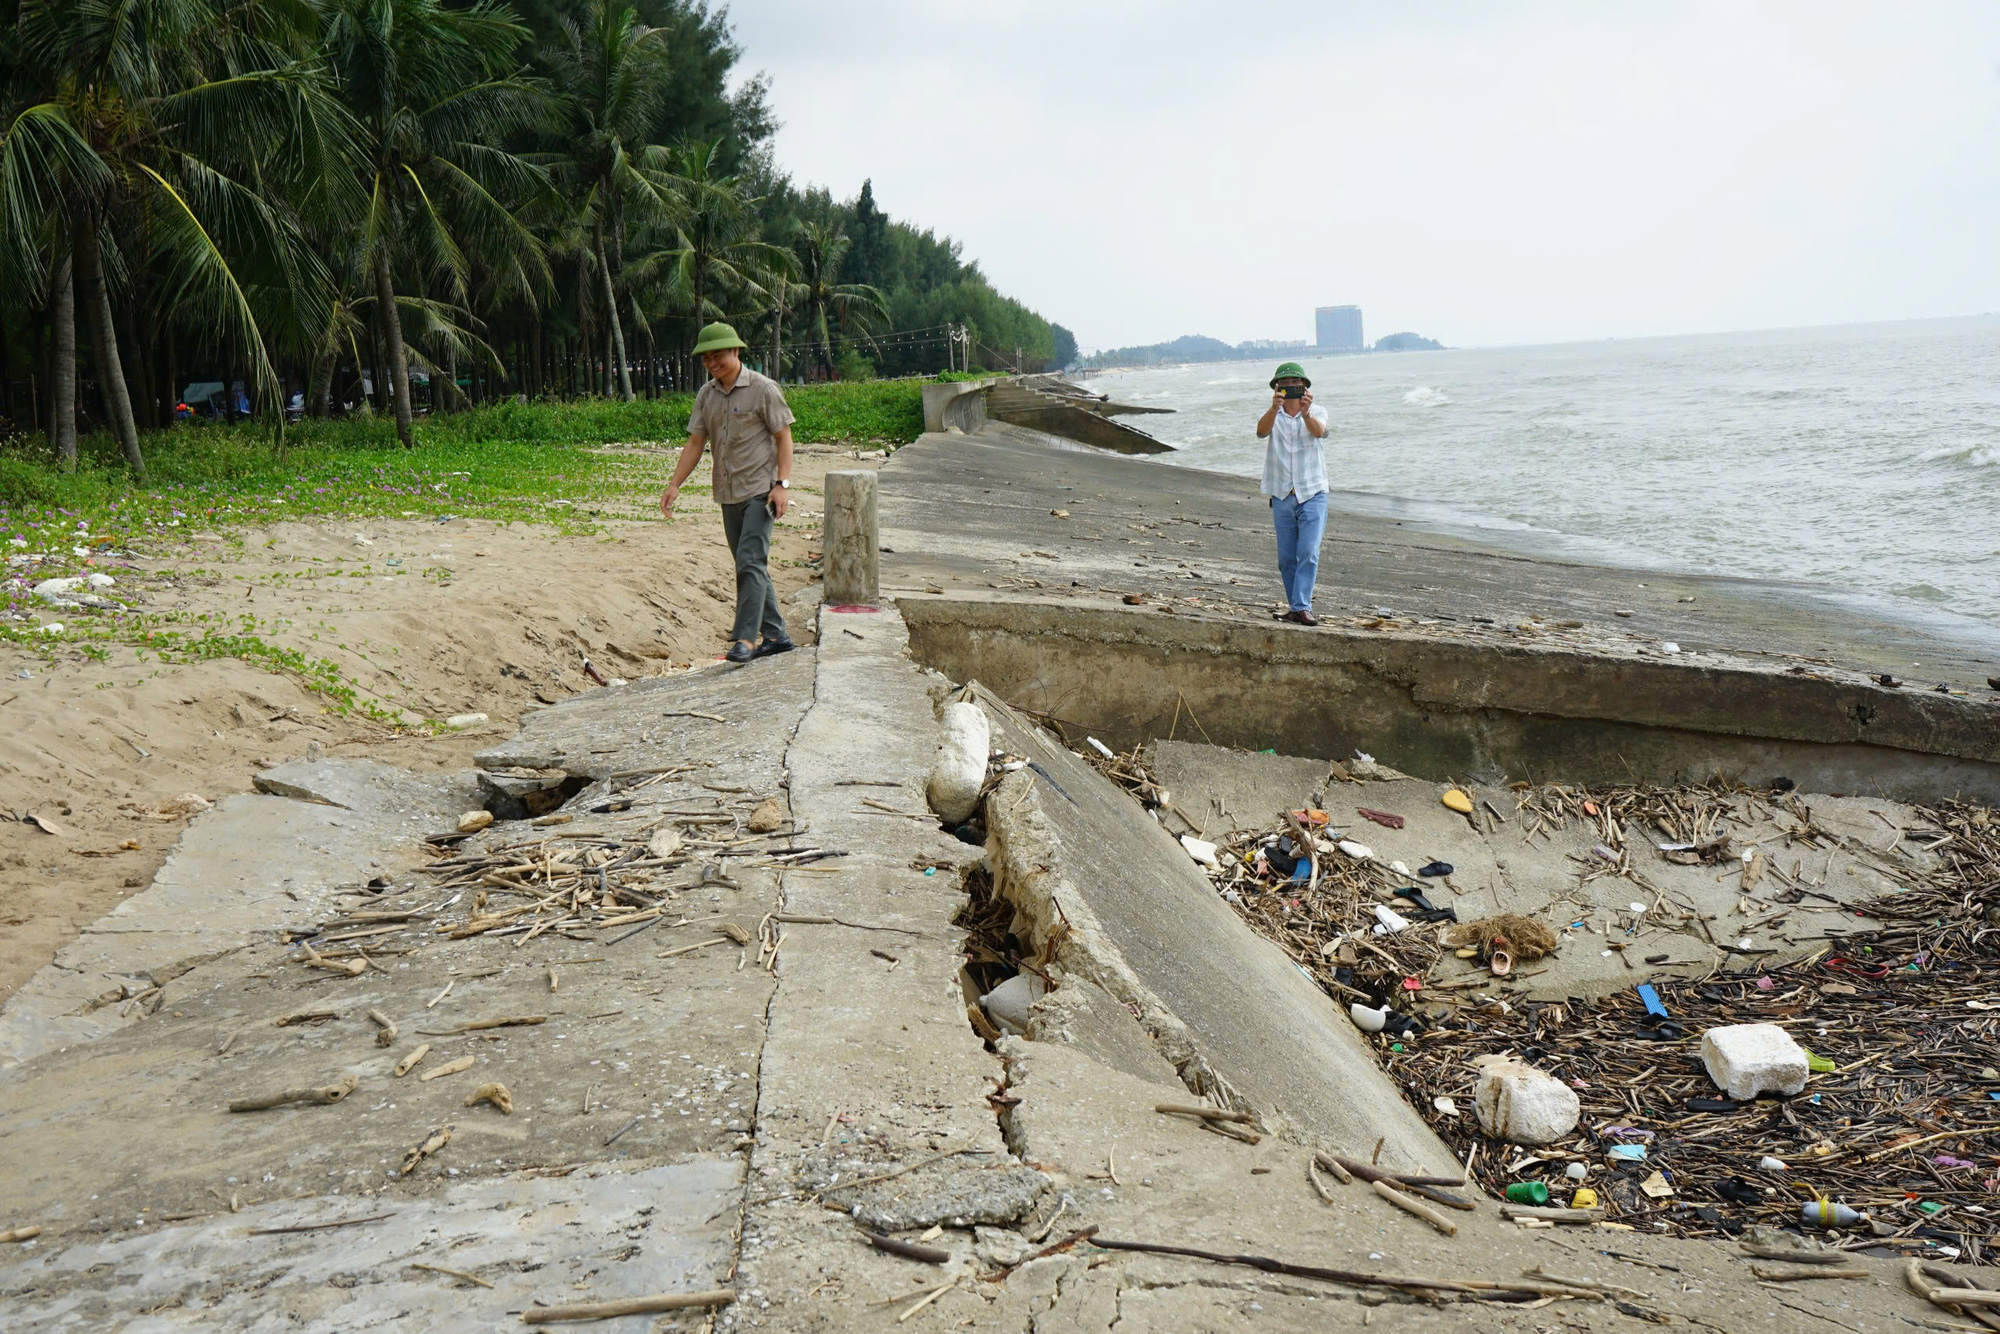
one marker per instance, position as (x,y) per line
(595,1236)
(240,872)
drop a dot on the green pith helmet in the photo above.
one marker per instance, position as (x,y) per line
(1289,371)
(716,337)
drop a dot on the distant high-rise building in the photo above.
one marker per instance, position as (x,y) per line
(1338,328)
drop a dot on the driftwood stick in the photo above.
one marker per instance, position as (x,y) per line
(929,1297)
(1370,1172)
(1797,1255)
(508,1021)
(1793,1273)
(1205,1113)
(21,1233)
(666,1301)
(909,1250)
(317,1227)
(386,1036)
(1410,1206)
(1332,1164)
(323,1096)
(1000,1276)
(409,1062)
(448,1068)
(1312,1175)
(1352,1277)
(1913,1273)
(455,1273)
(1589,1284)
(1550,1214)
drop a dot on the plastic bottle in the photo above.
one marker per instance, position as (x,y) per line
(1770,1164)
(1827,1213)
(1528,1192)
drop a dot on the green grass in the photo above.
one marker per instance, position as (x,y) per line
(535,462)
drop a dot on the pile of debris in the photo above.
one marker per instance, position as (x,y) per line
(1896,1136)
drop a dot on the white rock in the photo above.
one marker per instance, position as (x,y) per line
(473,821)
(1522,1105)
(959,769)
(1388,920)
(1361,852)
(465,720)
(1745,1060)
(1007,1004)
(1201,850)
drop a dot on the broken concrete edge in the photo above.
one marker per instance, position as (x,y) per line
(1445,708)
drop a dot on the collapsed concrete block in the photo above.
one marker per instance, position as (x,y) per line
(959,770)
(1745,1060)
(1523,1105)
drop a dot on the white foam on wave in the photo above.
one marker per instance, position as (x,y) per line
(1976,456)
(1423,396)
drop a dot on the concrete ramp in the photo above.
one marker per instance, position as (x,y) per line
(1121,905)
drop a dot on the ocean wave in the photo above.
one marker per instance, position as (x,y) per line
(1423,396)
(1976,456)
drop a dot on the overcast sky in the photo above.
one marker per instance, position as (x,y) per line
(1482,173)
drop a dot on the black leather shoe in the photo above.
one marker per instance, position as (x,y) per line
(771,647)
(740,652)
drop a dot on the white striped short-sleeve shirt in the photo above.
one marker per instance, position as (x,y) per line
(1294,460)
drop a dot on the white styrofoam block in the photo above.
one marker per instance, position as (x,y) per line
(959,770)
(1007,1004)
(1522,1105)
(1745,1060)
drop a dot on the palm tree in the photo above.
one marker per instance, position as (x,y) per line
(177,135)
(829,303)
(614,70)
(713,245)
(433,89)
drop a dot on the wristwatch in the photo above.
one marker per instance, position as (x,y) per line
(782,482)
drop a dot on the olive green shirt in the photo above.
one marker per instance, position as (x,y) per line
(741,425)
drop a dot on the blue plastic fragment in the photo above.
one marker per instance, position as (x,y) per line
(1652,1000)
(1304,871)
(1629,1153)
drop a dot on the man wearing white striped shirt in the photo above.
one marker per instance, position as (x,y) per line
(1295,480)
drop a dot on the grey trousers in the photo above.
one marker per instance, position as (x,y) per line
(747,529)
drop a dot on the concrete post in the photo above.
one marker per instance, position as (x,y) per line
(851,539)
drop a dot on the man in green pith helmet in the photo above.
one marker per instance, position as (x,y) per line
(745,417)
(1295,480)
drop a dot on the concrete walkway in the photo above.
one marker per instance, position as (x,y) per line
(725,1116)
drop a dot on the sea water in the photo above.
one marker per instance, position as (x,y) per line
(1864,457)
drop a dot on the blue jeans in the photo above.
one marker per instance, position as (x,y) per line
(1300,525)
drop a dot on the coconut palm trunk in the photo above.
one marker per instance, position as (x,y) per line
(104,341)
(62,363)
(617,325)
(392,335)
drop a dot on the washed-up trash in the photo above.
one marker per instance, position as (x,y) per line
(1435,869)
(1651,999)
(1523,1105)
(1818,1064)
(958,769)
(1387,819)
(1627,1153)
(1828,1213)
(1449,1106)
(1713,1105)
(1947,1160)
(1745,1060)
(1361,852)
(1312,819)
(1576,1171)
(1007,1005)
(1527,1192)
(1399,868)
(1201,850)
(1366,1018)
(1657,1186)
(1585,1198)
(1739,1191)
(1456,800)
(1521,939)
(1769,1164)
(1388,920)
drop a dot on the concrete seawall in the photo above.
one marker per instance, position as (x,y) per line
(1018,565)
